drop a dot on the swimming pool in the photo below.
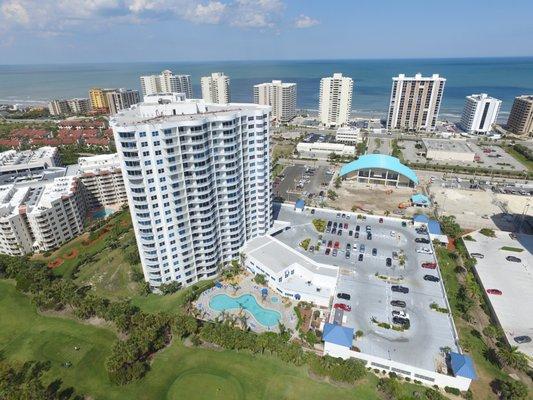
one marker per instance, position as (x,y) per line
(102,213)
(265,316)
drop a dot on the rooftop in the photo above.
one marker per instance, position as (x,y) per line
(99,163)
(381,161)
(338,334)
(462,365)
(459,146)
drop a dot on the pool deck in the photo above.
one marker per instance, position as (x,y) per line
(247,286)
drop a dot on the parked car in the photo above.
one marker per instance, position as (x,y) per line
(335,224)
(398,303)
(312,210)
(431,278)
(494,291)
(422,240)
(342,306)
(312,249)
(424,250)
(368,228)
(369,236)
(334,231)
(334,253)
(336,245)
(429,265)
(400,321)
(330,243)
(362,248)
(374,251)
(357,228)
(360,258)
(400,313)
(354,247)
(338,215)
(399,289)
(388,262)
(350,233)
(330,223)
(404,224)
(356,235)
(477,255)
(381,220)
(348,246)
(345,225)
(344,296)
(522,339)
(339,232)
(328,250)
(347,254)
(394,255)
(513,259)
(393,233)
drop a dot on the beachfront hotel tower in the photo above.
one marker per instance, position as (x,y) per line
(197,179)
(520,120)
(480,113)
(415,102)
(281,96)
(335,100)
(215,88)
(166,82)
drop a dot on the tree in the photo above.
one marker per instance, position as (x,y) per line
(260,279)
(338,182)
(390,387)
(512,357)
(513,390)
(169,288)
(450,227)
(332,195)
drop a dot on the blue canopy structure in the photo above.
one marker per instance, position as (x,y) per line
(338,334)
(421,218)
(264,291)
(434,227)
(300,204)
(381,161)
(420,200)
(462,365)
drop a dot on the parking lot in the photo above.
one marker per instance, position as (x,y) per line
(303,181)
(514,280)
(368,282)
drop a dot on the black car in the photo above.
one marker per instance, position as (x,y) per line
(356,235)
(339,232)
(522,339)
(357,228)
(347,254)
(404,224)
(388,262)
(400,289)
(350,233)
(360,257)
(329,224)
(334,231)
(312,210)
(335,224)
(374,252)
(398,303)
(344,296)
(400,321)
(422,240)
(369,236)
(431,278)
(513,259)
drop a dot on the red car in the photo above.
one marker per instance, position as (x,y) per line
(429,265)
(343,307)
(381,220)
(494,291)
(337,245)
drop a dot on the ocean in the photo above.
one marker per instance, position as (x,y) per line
(503,78)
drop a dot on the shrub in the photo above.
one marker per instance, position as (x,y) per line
(452,390)
(260,279)
(319,224)
(487,232)
(305,243)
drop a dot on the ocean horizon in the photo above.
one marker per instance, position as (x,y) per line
(500,77)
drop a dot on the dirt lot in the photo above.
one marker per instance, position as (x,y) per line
(376,198)
(476,209)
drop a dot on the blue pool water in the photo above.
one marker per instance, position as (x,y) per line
(264,316)
(103,213)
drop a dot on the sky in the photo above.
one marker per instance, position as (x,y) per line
(80,31)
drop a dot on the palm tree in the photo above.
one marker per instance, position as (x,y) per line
(512,357)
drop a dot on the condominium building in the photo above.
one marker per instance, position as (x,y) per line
(15,237)
(280,96)
(215,88)
(102,180)
(480,113)
(415,102)
(121,99)
(198,182)
(69,107)
(166,82)
(28,161)
(98,99)
(55,212)
(335,100)
(520,120)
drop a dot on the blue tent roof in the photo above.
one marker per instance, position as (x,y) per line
(379,161)
(420,199)
(299,204)
(424,219)
(462,365)
(338,334)
(434,227)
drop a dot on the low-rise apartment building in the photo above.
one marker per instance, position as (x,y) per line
(30,161)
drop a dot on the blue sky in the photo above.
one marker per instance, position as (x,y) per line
(71,31)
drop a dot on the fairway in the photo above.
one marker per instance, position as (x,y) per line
(177,372)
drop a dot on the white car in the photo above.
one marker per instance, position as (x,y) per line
(354,247)
(424,250)
(400,313)
(392,233)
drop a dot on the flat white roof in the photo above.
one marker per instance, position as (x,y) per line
(514,279)
(95,164)
(277,256)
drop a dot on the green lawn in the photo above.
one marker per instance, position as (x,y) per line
(520,158)
(510,248)
(177,372)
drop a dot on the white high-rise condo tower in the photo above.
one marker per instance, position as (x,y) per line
(335,100)
(166,82)
(197,178)
(480,113)
(215,88)
(280,96)
(415,102)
